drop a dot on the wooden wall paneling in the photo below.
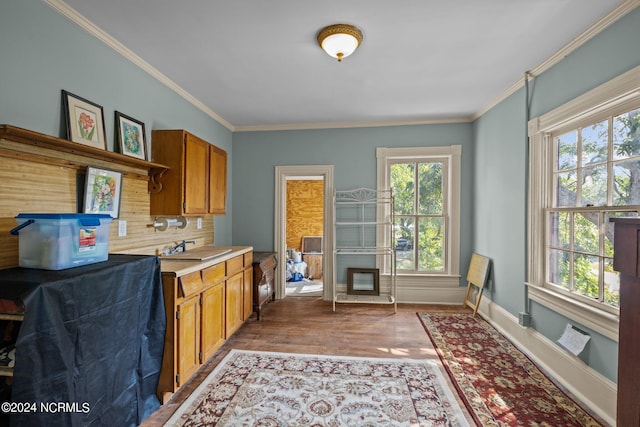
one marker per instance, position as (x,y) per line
(305,210)
(43,180)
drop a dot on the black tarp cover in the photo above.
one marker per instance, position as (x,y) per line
(89,351)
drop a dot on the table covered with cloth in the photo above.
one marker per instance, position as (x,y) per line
(89,349)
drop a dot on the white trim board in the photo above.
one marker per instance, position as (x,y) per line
(594,391)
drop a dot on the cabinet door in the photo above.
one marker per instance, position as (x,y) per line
(247,293)
(233,303)
(196,184)
(217,180)
(188,339)
(212,315)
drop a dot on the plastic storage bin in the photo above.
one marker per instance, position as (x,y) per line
(59,241)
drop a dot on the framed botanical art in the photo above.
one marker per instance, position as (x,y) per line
(85,121)
(131,136)
(102,191)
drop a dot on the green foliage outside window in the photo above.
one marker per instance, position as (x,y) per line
(596,166)
(420,217)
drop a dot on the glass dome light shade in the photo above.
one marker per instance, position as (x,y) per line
(340,40)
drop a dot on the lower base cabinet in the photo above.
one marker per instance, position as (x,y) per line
(203,308)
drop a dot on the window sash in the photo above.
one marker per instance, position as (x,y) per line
(419,220)
(451,193)
(610,99)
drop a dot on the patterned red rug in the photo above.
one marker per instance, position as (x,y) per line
(250,388)
(498,383)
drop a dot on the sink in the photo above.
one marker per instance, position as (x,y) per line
(202,253)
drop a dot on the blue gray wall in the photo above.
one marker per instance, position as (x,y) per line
(500,180)
(43,52)
(353,154)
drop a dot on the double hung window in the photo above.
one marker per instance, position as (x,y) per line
(425,182)
(584,169)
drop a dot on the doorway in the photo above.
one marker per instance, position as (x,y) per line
(304,235)
(310,182)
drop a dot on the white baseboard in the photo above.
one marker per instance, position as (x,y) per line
(595,392)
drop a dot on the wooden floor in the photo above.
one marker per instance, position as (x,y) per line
(308,325)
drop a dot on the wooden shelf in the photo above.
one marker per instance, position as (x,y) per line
(365,299)
(36,139)
(12,316)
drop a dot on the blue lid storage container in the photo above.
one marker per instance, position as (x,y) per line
(53,241)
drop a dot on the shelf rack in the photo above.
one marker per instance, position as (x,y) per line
(363,225)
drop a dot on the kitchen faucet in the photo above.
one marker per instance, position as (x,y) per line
(180,247)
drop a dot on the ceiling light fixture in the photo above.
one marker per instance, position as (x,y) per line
(339,40)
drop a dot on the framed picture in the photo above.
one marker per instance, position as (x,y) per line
(131,136)
(363,281)
(102,191)
(85,121)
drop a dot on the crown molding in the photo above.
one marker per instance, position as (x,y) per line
(342,125)
(622,9)
(65,10)
(60,6)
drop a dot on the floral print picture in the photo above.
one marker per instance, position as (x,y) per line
(102,192)
(85,121)
(131,136)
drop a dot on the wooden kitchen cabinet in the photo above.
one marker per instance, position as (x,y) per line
(234,304)
(188,320)
(205,304)
(217,180)
(212,334)
(196,181)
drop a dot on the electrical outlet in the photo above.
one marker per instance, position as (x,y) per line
(199,223)
(122,228)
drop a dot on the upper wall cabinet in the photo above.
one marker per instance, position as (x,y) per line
(196,183)
(217,180)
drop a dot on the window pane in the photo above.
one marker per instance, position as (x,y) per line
(585,276)
(566,189)
(594,186)
(611,284)
(626,183)
(626,135)
(567,146)
(586,233)
(405,255)
(595,142)
(559,267)
(560,229)
(430,188)
(431,244)
(403,187)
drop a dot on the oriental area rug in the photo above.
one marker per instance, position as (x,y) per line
(498,383)
(251,388)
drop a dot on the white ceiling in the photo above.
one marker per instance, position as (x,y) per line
(256,63)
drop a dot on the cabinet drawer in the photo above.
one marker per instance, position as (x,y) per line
(213,274)
(190,284)
(235,265)
(248,259)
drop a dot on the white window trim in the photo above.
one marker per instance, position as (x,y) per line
(451,277)
(620,93)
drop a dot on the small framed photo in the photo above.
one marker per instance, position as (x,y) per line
(85,121)
(363,281)
(102,191)
(131,136)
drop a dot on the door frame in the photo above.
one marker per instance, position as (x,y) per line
(280,225)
